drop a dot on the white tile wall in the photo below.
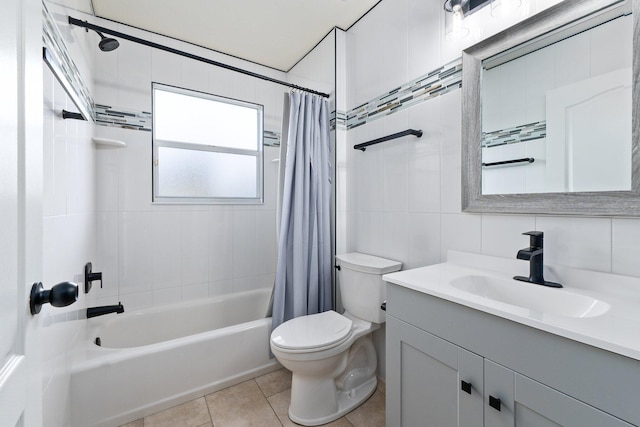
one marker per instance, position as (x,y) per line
(502,234)
(577,242)
(134,252)
(424,158)
(157,254)
(427,171)
(69,227)
(624,242)
(195,247)
(166,249)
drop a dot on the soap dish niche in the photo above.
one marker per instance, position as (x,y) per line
(108,143)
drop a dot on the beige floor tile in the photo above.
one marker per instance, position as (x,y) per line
(280,404)
(209,424)
(242,405)
(136,423)
(274,382)
(370,414)
(191,414)
(382,386)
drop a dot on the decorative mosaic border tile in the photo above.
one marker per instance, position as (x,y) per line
(515,134)
(435,83)
(66,70)
(107,115)
(340,121)
(271,139)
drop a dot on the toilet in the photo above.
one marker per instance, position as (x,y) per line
(331,355)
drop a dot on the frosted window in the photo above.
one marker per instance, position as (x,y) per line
(191,173)
(185,118)
(206,148)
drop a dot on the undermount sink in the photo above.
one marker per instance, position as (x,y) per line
(537,298)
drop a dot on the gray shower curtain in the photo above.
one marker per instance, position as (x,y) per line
(303,274)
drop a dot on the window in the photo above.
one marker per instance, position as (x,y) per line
(206,148)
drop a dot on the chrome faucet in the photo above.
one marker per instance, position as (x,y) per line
(535,255)
(105,309)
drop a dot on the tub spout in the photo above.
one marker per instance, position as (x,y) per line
(105,309)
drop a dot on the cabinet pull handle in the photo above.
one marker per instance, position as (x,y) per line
(494,403)
(465,386)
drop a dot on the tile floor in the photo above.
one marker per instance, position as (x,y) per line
(261,402)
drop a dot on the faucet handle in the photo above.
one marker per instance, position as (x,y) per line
(536,239)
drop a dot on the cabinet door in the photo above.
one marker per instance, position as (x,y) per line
(470,388)
(498,395)
(424,380)
(537,405)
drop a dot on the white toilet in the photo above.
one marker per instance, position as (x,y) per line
(331,356)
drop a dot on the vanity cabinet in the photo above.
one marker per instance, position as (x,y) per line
(450,365)
(424,375)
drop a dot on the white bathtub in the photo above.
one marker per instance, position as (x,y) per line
(156,358)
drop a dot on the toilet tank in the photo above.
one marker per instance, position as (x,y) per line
(361,286)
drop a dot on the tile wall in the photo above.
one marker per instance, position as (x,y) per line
(402,199)
(69,227)
(154,254)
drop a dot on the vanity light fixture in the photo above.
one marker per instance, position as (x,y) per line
(456,23)
(453,20)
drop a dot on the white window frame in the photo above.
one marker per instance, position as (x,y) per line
(258,153)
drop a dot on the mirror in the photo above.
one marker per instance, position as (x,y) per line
(547,114)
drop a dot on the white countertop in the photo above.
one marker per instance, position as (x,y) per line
(617,330)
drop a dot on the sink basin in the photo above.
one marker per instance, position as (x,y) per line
(537,298)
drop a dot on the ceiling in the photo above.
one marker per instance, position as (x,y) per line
(275,33)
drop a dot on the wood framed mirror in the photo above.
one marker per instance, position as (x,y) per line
(576,188)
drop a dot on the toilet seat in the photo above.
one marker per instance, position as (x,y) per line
(312,333)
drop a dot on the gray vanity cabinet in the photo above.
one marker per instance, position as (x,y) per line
(527,403)
(434,380)
(424,375)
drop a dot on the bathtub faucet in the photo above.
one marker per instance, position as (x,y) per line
(105,309)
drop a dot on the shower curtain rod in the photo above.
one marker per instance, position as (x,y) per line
(85,24)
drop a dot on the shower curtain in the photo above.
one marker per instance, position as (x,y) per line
(303,273)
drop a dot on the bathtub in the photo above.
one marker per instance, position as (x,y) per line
(152,359)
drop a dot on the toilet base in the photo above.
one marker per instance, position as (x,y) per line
(347,401)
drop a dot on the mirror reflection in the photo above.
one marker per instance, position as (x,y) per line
(556,113)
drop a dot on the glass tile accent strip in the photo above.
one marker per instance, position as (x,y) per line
(107,115)
(435,83)
(54,42)
(528,132)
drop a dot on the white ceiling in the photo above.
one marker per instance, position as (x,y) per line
(275,33)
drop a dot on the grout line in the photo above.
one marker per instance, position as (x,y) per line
(264,396)
(208,409)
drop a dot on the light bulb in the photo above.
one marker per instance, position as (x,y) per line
(457,30)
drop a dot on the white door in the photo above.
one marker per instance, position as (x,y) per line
(20,210)
(589,134)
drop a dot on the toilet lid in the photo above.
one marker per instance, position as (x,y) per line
(312,331)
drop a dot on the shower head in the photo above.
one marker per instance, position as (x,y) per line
(107,44)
